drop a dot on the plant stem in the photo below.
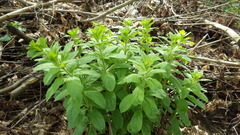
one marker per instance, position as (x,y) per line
(110,127)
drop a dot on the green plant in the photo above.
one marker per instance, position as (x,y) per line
(112,84)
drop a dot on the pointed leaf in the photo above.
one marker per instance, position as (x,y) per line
(61,95)
(135,123)
(44,65)
(150,108)
(182,105)
(72,112)
(96,119)
(155,88)
(96,97)
(126,103)
(68,47)
(146,128)
(81,126)
(75,88)
(201,95)
(50,75)
(133,78)
(138,95)
(184,118)
(196,101)
(92,131)
(57,83)
(109,81)
(117,119)
(110,101)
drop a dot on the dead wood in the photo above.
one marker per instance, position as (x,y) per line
(29,8)
(26,84)
(230,63)
(110,11)
(19,33)
(18,83)
(226,29)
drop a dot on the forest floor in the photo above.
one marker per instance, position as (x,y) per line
(23,109)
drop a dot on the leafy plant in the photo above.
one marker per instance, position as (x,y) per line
(113,84)
(7,37)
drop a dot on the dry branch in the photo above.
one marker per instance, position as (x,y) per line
(29,8)
(230,63)
(26,2)
(17,84)
(226,29)
(110,11)
(15,31)
(24,86)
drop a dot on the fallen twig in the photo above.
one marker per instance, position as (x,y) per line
(16,84)
(19,33)
(210,43)
(226,29)
(25,85)
(26,2)
(32,7)
(216,61)
(110,11)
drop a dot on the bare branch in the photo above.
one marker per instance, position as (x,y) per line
(29,8)
(216,61)
(110,11)
(226,29)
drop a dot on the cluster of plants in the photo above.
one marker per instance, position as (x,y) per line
(120,82)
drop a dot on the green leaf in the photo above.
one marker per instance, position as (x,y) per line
(96,97)
(156,89)
(126,103)
(146,128)
(200,95)
(196,101)
(110,101)
(135,123)
(182,105)
(61,95)
(185,92)
(86,59)
(5,38)
(184,118)
(109,49)
(44,65)
(81,125)
(175,83)
(167,67)
(120,66)
(138,95)
(120,55)
(75,88)
(155,71)
(50,75)
(68,47)
(133,78)
(174,128)
(72,112)
(117,119)
(182,109)
(166,104)
(97,119)
(109,81)
(92,131)
(56,84)
(150,108)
